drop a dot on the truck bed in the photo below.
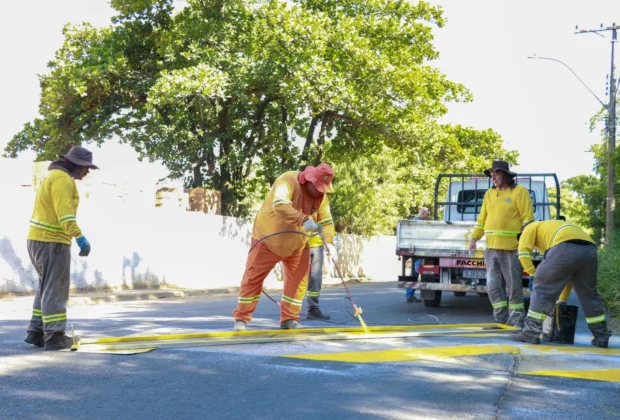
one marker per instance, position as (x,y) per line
(436,239)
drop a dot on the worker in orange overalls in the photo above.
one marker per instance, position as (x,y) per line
(294,197)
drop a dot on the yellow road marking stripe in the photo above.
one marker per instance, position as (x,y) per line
(351,330)
(572,349)
(403,355)
(606,375)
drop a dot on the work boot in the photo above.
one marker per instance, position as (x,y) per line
(35,338)
(524,338)
(240,325)
(290,324)
(516,321)
(602,342)
(413,299)
(315,313)
(60,341)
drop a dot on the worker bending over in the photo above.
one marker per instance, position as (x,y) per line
(293,198)
(569,256)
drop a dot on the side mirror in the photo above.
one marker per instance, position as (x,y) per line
(563,218)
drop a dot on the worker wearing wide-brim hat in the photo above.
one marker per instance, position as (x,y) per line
(506,207)
(293,198)
(53,226)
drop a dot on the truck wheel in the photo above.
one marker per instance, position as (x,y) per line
(460,294)
(434,302)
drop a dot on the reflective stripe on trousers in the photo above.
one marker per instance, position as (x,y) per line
(504,271)
(52,261)
(259,264)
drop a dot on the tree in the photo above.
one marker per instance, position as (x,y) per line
(225,93)
(591,191)
(375,190)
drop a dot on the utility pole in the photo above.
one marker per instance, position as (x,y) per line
(611,131)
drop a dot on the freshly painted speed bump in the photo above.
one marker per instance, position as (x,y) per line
(611,374)
(402,355)
(605,375)
(127,344)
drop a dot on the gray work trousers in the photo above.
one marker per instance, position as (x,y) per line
(504,271)
(565,263)
(316,277)
(49,310)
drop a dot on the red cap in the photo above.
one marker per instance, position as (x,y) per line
(321,177)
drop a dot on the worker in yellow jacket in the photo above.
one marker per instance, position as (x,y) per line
(53,226)
(505,208)
(570,257)
(317,256)
(280,234)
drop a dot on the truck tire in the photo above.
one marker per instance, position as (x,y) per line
(460,294)
(434,302)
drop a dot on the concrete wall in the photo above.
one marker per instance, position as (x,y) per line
(139,246)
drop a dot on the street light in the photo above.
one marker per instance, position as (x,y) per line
(610,202)
(535,57)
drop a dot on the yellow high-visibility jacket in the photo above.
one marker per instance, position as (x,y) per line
(55,207)
(544,235)
(324,218)
(502,215)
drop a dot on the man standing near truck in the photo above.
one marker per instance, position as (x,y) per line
(423,214)
(506,207)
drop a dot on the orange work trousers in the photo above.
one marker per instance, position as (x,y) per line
(260,262)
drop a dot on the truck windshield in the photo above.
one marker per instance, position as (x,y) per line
(470,201)
(473,198)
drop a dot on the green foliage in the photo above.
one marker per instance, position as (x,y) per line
(586,205)
(224,93)
(375,190)
(608,280)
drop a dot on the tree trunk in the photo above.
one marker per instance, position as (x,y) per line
(309,139)
(320,142)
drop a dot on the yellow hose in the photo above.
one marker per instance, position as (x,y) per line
(566,293)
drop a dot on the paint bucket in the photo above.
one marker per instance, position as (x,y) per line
(559,327)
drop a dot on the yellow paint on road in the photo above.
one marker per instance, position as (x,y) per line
(350,330)
(404,355)
(437,353)
(605,375)
(572,349)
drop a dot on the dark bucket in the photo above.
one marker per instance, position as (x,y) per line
(559,327)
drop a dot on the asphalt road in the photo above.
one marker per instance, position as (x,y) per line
(257,382)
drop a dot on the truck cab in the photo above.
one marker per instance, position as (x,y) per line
(443,243)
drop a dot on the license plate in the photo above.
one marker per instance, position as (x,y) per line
(474,274)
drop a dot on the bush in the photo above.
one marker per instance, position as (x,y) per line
(609,278)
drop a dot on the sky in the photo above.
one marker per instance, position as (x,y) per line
(538,107)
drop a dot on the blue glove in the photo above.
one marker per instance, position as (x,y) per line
(311,226)
(531,285)
(84,246)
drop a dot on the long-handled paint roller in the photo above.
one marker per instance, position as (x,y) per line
(358,310)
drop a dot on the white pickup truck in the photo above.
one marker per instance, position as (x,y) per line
(443,244)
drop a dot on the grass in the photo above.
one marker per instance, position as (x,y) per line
(609,279)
